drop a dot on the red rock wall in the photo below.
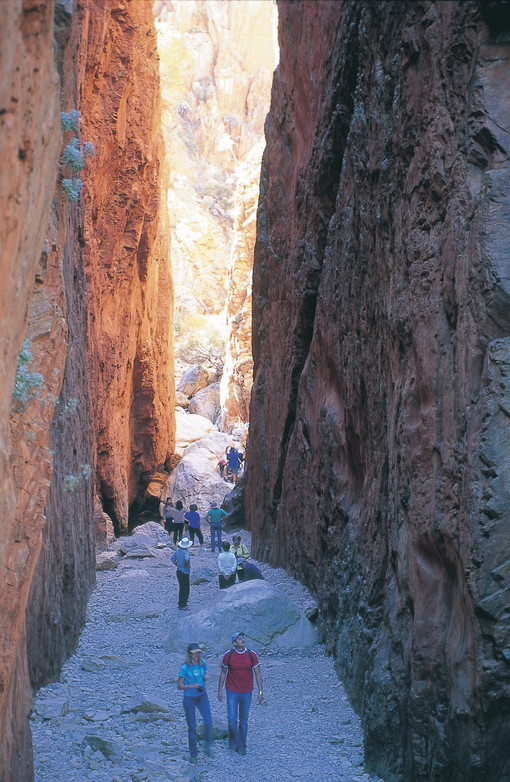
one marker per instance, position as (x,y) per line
(377,459)
(65,571)
(29,144)
(52,292)
(125,253)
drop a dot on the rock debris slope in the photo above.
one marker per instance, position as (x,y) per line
(116,714)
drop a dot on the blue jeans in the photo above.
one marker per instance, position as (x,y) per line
(200,702)
(216,531)
(237,702)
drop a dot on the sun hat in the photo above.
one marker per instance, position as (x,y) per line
(236,636)
(184,543)
(193,648)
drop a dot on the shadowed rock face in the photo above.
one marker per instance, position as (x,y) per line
(377,461)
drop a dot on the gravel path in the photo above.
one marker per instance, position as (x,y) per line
(116,714)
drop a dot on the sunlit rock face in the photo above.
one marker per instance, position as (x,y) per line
(126,253)
(30,141)
(377,460)
(237,376)
(217,60)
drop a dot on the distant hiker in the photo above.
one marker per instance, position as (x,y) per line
(168,515)
(227,564)
(237,668)
(247,571)
(214,517)
(178,521)
(234,460)
(221,467)
(182,562)
(193,519)
(192,678)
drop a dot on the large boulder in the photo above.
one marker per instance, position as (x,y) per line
(270,620)
(190,428)
(196,478)
(195,378)
(207,402)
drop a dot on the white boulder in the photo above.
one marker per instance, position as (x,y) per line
(267,616)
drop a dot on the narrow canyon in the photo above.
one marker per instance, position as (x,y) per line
(352,248)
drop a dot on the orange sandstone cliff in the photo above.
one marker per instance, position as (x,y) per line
(89,285)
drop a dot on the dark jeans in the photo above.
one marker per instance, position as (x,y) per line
(216,534)
(198,532)
(227,582)
(200,702)
(183,579)
(178,530)
(238,704)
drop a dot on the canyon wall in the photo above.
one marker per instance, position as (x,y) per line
(377,464)
(87,283)
(125,253)
(30,143)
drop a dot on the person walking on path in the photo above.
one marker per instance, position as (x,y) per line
(241,552)
(237,669)
(182,562)
(178,521)
(213,517)
(193,519)
(168,515)
(246,571)
(227,564)
(192,678)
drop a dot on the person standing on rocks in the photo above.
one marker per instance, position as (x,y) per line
(178,521)
(237,669)
(213,517)
(193,519)
(168,515)
(182,562)
(227,564)
(192,678)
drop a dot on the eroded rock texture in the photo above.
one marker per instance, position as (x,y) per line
(29,144)
(377,457)
(125,253)
(237,378)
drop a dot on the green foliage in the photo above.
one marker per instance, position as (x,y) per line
(72,188)
(27,384)
(69,120)
(197,340)
(74,155)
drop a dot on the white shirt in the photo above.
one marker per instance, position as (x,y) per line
(227,563)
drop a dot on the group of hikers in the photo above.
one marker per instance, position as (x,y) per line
(239,664)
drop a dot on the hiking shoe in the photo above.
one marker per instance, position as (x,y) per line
(241,751)
(193,760)
(184,608)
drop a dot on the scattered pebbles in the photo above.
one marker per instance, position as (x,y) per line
(116,714)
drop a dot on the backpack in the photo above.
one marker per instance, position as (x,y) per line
(231,652)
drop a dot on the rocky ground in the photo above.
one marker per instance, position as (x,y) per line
(116,714)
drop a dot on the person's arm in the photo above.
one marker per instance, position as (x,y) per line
(182,686)
(258,679)
(221,682)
